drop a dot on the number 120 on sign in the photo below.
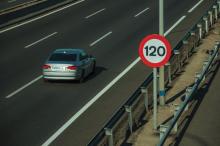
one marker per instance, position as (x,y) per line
(154,50)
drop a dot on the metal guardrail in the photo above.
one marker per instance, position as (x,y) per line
(20,6)
(190,91)
(129,114)
(30,10)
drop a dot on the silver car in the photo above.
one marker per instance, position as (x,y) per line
(68,64)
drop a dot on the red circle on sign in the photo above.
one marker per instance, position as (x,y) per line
(164,41)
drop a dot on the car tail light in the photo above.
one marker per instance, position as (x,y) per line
(71,67)
(46,66)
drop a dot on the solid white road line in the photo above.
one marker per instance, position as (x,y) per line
(94,99)
(141,12)
(23,87)
(87,105)
(94,13)
(196,5)
(44,38)
(104,36)
(37,18)
(172,27)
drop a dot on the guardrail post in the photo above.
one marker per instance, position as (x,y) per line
(169,73)
(206,24)
(218,5)
(216,12)
(217,43)
(187,93)
(130,121)
(177,52)
(109,133)
(175,128)
(144,90)
(200,30)
(193,34)
(209,59)
(197,76)
(163,129)
(205,63)
(186,47)
(210,18)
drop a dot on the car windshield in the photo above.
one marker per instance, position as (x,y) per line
(62,57)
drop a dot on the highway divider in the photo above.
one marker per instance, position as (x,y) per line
(29,10)
(128,116)
(20,6)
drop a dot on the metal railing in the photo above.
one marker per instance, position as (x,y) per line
(20,6)
(128,116)
(29,10)
(190,91)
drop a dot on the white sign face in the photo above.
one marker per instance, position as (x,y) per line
(154,50)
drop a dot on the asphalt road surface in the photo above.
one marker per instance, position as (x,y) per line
(33,112)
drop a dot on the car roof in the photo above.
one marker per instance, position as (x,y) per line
(69,51)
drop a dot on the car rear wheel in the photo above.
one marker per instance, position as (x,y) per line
(81,80)
(45,80)
(93,68)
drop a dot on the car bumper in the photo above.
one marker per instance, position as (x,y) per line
(61,75)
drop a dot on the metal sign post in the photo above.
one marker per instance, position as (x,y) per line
(155,98)
(161,17)
(155,51)
(161,70)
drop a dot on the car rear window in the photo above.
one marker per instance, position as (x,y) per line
(63,57)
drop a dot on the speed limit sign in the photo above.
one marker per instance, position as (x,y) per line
(155,50)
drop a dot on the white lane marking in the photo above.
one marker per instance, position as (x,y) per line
(44,38)
(23,87)
(141,12)
(94,99)
(196,5)
(98,40)
(40,17)
(95,13)
(172,27)
(87,105)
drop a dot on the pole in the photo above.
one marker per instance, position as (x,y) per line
(161,70)
(161,17)
(155,98)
